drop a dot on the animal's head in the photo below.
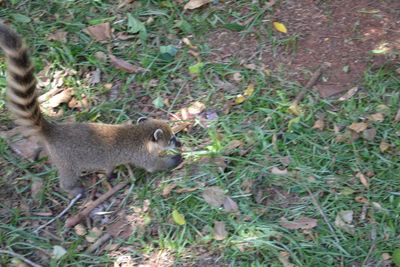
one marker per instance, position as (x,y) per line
(162,146)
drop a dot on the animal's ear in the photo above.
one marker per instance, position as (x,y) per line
(141,119)
(157,135)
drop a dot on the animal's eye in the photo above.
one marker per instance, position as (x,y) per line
(172,141)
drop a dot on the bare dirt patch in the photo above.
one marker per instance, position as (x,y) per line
(342,33)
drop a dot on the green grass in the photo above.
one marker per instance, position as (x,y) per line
(255,237)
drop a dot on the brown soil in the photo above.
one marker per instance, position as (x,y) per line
(341,33)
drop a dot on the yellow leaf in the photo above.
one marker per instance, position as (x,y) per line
(178,218)
(239,99)
(193,4)
(295,109)
(249,90)
(280,27)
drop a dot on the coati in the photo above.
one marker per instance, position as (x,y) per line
(77,147)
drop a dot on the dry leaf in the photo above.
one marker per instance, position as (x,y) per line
(196,108)
(376,117)
(369,134)
(277,171)
(349,94)
(62,97)
(295,109)
(230,205)
(383,146)
(361,199)
(397,117)
(239,99)
(280,27)
(100,32)
(193,4)
(80,230)
(214,196)
(220,232)
(358,127)
(343,221)
(301,223)
(123,65)
(319,124)
(93,235)
(237,77)
(178,127)
(249,90)
(363,179)
(167,190)
(233,145)
(284,259)
(186,190)
(94,77)
(60,36)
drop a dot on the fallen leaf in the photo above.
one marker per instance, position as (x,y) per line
(384,146)
(361,199)
(93,234)
(58,252)
(234,144)
(178,217)
(94,77)
(220,232)
(237,77)
(280,27)
(249,90)
(186,190)
(301,223)
(284,259)
(239,99)
(230,205)
(349,94)
(369,134)
(178,127)
(63,97)
(193,4)
(363,179)
(214,196)
(343,221)
(100,32)
(383,109)
(60,36)
(295,109)
(80,230)
(123,65)
(397,117)
(319,124)
(358,127)
(196,108)
(378,117)
(277,171)
(168,189)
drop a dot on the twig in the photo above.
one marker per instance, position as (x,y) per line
(74,220)
(16,255)
(70,205)
(314,78)
(104,238)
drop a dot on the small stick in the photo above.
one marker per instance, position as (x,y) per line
(104,238)
(16,255)
(70,205)
(314,78)
(74,220)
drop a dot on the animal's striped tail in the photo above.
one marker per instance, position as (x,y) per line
(21,82)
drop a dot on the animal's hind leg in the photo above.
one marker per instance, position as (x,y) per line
(69,181)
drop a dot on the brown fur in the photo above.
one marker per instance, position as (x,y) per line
(78,147)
